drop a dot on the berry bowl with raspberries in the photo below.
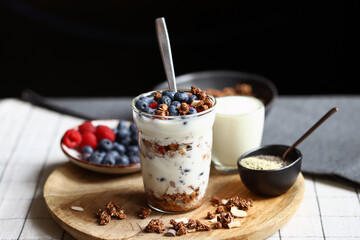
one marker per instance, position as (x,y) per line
(105,146)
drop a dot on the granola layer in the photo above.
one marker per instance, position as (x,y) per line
(176,202)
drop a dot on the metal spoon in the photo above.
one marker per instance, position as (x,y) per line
(317,124)
(164,44)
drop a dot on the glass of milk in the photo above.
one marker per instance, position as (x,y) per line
(238,128)
(175,155)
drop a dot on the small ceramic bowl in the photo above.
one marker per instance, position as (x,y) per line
(75,156)
(271,182)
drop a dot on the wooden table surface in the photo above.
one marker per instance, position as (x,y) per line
(30,152)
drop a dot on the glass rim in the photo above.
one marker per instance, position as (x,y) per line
(259,108)
(180,117)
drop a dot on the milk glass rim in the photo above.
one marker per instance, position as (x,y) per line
(180,117)
(261,106)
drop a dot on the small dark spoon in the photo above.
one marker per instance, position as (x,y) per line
(317,124)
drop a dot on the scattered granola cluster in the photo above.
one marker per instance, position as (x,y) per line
(111,210)
(223,217)
(179,227)
(227,210)
(155,226)
(191,225)
(144,212)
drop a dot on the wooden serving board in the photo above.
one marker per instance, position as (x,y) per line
(70,185)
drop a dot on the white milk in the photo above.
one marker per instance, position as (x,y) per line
(238,128)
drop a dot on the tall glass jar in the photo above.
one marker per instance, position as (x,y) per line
(175,154)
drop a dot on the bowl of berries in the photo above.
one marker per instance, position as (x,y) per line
(105,146)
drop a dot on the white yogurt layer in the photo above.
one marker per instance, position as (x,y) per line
(182,170)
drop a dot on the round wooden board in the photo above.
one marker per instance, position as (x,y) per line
(70,185)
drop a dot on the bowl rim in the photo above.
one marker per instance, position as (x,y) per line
(261,106)
(66,149)
(293,163)
(227,73)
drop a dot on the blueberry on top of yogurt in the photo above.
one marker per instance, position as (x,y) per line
(169,103)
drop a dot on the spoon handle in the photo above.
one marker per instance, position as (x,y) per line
(164,44)
(317,124)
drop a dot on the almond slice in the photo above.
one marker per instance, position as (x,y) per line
(76,208)
(184,220)
(237,212)
(214,220)
(234,224)
(224,201)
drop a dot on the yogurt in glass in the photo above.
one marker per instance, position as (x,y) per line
(175,155)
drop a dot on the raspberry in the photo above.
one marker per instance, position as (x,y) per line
(72,138)
(104,132)
(161,150)
(87,127)
(153,105)
(88,138)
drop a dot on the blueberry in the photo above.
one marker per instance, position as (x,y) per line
(97,157)
(105,145)
(109,159)
(175,103)
(125,141)
(86,152)
(133,128)
(123,133)
(122,160)
(132,150)
(142,104)
(144,98)
(173,111)
(169,94)
(122,124)
(151,101)
(134,140)
(191,99)
(181,96)
(113,153)
(150,110)
(85,156)
(192,111)
(165,99)
(119,148)
(134,159)
(87,149)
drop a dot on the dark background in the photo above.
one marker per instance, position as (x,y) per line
(109,48)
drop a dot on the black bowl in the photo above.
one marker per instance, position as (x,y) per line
(271,182)
(262,87)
